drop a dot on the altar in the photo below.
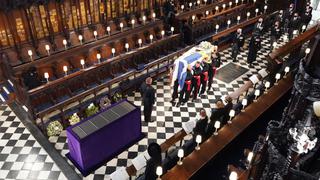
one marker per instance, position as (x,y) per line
(97,139)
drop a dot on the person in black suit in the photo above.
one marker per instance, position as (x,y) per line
(201,125)
(215,63)
(281,19)
(31,78)
(275,33)
(196,79)
(154,150)
(186,90)
(175,91)
(307,16)
(216,115)
(238,42)
(148,98)
(254,47)
(294,25)
(204,76)
(288,16)
(258,28)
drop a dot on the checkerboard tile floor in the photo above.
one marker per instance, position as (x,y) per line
(21,156)
(168,119)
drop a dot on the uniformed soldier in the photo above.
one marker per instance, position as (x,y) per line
(254,47)
(294,25)
(205,64)
(275,33)
(186,90)
(238,42)
(215,63)
(196,79)
(175,91)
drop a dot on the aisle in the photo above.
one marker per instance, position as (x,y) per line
(21,155)
(168,119)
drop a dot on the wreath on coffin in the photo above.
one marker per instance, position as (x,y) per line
(104,102)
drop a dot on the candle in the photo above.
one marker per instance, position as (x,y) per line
(64,42)
(121,26)
(162,33)
(144,18)
(65,69)
(172,30)
(151,38)
(82,63)
(132,22)
(46,75)
(244,103)
(238,19)
(95,33)
(108,30)
(113,50)
(257,10)
(231,115)
(248,15)
(47,47)
(127,46)
(80,37)
(30,54)
(154,16)
(99,57)
(139,42)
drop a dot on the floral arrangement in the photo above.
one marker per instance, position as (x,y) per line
(205,45)
(74,119)
(54,128)
(104,102)
(117,97)
(91,110)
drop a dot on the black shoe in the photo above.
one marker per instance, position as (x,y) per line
(178,104)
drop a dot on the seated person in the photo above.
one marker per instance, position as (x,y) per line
(227,107)
(216,115)
(154,150)
(201,125)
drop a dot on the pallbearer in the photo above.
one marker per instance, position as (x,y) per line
(186,90)
(196,79)
(275,33)
(238,42)
(215,63)
(254,47)
(205,74)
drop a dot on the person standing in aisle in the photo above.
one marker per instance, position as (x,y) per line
(238,42)
(175,92)
(215,63)
(254,47)
(148,98)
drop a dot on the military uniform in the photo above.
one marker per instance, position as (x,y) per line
(196,81)
(185,92)
(238,42)
(215,63)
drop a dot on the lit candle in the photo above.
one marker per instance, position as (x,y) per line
(154,16)
(229,22)
(65,69)
(207,13)
(46,75)
(182,7)
(198,2)
(193,18)
(99,57)
(47,49)
(180,155)
(113,50)
(257,10)
(205,1)
(151,38)
(223,6)
(307,51)
(108,30)
(257,94)
(217,8)
(254,1)
(95,33)
(217,28)
(64,42)
(266,85)
(80,38)
(159,172)
(249,158)
(82,63)
(127,46)
(30,54)
(265,8)
(162,33)
(140,42)
(190,5)
(244,103)
(278,76)
(248,15)
(242,1)
(216,126)
(286,70)
(230,4)
(238,19)
(172,30)
(198,141)
(133,22)
(144,18)
(237,1)
(303,28)
(232,113)
(121,26)
(233,176)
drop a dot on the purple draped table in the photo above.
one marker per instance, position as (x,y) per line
(97,139)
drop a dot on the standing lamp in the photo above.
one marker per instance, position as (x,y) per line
(65,69)
(30,54)
(64,42)
(46,75)
(140,42)
(180,155)
(80,37)
(216,126)
(95,33)
(47,47)
(267,85)
(198,141)
(257,10)
(256,94)
(286,70)
(278,76)
(233,176)
(232,113)
(109,30)
(113,51)
(217,28)
(159,172)
(248,15)
(244,103)
(121,27)
(99,57)
(82,63)
(238,19)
